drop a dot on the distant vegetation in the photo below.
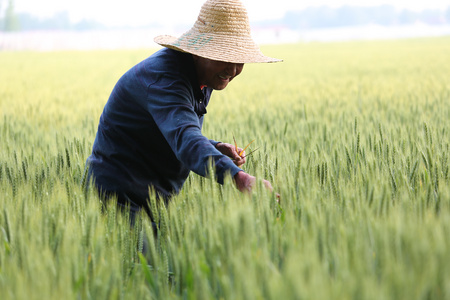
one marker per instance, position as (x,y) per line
(59,21)
(322,17)
(311,17)
(10,20)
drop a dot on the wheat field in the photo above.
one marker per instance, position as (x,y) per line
(354,136)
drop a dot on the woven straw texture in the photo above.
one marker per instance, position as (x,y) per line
(221,32)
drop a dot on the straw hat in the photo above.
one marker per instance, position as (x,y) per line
(221,32)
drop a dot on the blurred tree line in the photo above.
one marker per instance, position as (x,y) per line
(12,21)
(311,17)
(386,15)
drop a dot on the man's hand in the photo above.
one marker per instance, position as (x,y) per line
(245,182)
(230,151)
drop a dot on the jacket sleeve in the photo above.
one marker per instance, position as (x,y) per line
(170,104)
(214,143)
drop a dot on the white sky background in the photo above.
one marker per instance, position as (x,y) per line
(171,12)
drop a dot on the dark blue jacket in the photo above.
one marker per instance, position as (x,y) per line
(149,133)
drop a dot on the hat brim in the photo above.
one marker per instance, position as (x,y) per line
(216,47)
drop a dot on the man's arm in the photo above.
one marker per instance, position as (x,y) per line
(169,103)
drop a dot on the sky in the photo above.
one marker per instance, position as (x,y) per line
(169,12)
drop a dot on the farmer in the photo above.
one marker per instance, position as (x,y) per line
(149,135)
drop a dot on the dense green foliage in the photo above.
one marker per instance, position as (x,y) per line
(354,136)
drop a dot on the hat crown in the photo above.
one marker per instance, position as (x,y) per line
(227,17)
(221,32)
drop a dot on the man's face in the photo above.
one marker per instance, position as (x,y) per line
(216,74)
